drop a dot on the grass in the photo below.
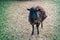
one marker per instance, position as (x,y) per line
(16,28)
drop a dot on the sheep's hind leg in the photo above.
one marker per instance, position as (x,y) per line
(41,25)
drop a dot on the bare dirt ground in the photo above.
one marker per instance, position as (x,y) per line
(18,23)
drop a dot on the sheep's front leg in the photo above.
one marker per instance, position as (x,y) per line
(37,26)
(32,30)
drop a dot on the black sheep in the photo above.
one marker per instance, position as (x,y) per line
(36,17)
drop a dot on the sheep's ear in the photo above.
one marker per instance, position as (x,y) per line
(28,9)
(38,9)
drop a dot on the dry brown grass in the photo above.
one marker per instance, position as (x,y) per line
(19,25)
